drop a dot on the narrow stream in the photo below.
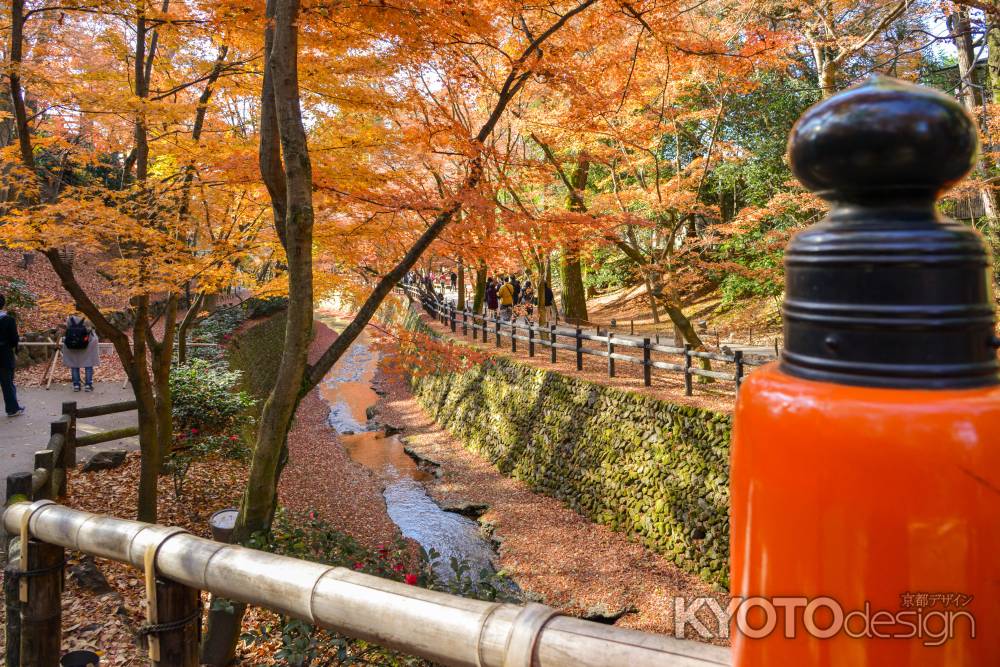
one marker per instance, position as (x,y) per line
(347,388)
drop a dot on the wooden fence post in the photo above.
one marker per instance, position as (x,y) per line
(531,339)
(688,384)
(12,605)
(513,333)
(496,326)
(738,359)
(611,351)
(647,368)
(552,347)
(41,613)
(454,322)
(178,612)
(465,322)
(69,409)
(59,429)
(579,349)
(475,327)
(18,489)
(45,460)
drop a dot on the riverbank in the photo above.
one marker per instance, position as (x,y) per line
(552,553)
(320,475)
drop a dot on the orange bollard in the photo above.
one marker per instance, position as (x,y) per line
(865,473)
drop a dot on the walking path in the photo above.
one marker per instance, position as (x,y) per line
(21,437)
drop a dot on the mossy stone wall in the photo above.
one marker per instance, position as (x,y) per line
(256,352)
(655,470)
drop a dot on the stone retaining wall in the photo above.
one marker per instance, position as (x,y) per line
(652,469)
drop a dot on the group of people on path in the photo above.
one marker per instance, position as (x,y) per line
(80,351)
(505,293)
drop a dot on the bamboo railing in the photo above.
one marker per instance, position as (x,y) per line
(446,629)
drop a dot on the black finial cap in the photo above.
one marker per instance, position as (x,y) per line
(886,292)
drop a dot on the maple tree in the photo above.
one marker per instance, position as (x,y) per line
(326,150)
(107,162)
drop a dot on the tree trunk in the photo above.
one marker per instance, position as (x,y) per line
(826,71)
(971,96)
(574,295)
(993,64)
(260,498)
(652,301)
(146,403)
(182,329)
(480,294)
(162,357)
(461,285)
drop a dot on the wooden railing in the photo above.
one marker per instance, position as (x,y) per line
(48,479)
(442,628)
(610,345)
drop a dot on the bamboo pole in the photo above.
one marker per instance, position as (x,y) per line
(443,628)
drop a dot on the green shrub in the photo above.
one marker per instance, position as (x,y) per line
(17,293)
(303,535)
(207,397)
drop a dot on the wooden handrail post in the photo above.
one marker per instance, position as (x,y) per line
(579,349)
(513,333)
(41,613)
(647,367)
(175,604)
(12,606)
(18,489)
(454,321)
(45,460)
(611,350)
(497,327)
(688,384)
(59,429)
(531,339)
(738,359)
(465,322)
(552,347)
(69,409)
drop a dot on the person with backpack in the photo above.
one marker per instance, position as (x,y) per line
(80,350)
(506,296)
(9,341)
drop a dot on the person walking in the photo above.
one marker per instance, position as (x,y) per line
(506,296)
(9,341)
(80,350)
(516,284)
(528,298)
(550,303)
(492,303)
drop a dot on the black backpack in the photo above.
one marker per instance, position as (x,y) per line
(77,336)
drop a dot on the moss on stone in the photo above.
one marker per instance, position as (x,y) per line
(653,469)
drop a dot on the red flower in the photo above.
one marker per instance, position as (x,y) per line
(194,431)
(398,567)
(359,566)
(234,438)
(312,515)
(411,579)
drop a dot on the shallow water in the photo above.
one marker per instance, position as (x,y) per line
(347,389)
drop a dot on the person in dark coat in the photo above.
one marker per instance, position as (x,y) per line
(492,301)
(9,342)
